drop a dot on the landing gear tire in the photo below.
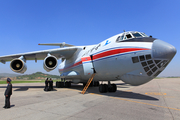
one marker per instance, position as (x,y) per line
(84,84)
(114,87)
(61,84)
(67,84)
(103,88)
(93,84)
(110,88)
(96,83)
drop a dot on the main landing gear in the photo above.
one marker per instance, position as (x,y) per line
(103,88)
(64,84)
(93,84)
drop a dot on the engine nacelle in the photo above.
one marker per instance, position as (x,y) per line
(18,65)
(50,63)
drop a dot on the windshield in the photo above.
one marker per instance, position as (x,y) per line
(130,35)
(137,35)
(144,35)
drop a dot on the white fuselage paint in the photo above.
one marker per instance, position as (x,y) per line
(108,67)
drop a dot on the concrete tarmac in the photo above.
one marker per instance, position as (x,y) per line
(157,100)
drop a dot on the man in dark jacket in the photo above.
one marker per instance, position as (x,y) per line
(51,84)
(46,85)
(8,94)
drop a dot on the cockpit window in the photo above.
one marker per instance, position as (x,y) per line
(144,35)
(121,38)
(128,36)
(137,35)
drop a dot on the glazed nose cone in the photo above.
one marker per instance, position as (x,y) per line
(163,50)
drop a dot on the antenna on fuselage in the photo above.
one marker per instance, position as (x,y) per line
(124,30)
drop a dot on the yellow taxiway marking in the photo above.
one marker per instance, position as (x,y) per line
(169,96)
(95,94)
(155,93)
(139,102)
(128,90)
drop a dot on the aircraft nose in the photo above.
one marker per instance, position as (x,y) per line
(163,50)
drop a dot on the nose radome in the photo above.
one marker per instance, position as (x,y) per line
(163,50)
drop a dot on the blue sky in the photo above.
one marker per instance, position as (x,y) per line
(25,23)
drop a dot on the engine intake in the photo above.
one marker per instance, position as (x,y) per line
(50,63)
(18,65)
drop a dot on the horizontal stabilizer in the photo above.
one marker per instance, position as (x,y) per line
(58,44)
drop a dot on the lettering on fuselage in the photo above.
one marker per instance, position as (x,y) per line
(91,50)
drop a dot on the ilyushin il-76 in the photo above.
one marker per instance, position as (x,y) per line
(132,57)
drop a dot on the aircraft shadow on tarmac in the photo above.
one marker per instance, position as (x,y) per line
(118,93)
(131,95)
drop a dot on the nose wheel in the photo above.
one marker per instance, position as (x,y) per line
(103,88)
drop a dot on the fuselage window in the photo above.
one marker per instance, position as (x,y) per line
(137,35)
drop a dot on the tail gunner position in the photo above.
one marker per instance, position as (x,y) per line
(132,57)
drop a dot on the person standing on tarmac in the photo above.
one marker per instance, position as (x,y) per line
(46,85)
(51,84)
(8,94)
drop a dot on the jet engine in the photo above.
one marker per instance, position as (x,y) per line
(18,65)
(50,63)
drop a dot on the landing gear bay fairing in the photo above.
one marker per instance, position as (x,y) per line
(132,57)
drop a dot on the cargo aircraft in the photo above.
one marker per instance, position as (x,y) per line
(132,57)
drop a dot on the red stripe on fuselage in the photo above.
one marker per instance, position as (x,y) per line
(86,59)
(116,51)
(105,54)
(76,64)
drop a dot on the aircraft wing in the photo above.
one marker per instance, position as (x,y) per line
(40,55)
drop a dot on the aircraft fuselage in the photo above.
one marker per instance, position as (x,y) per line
(134,61)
